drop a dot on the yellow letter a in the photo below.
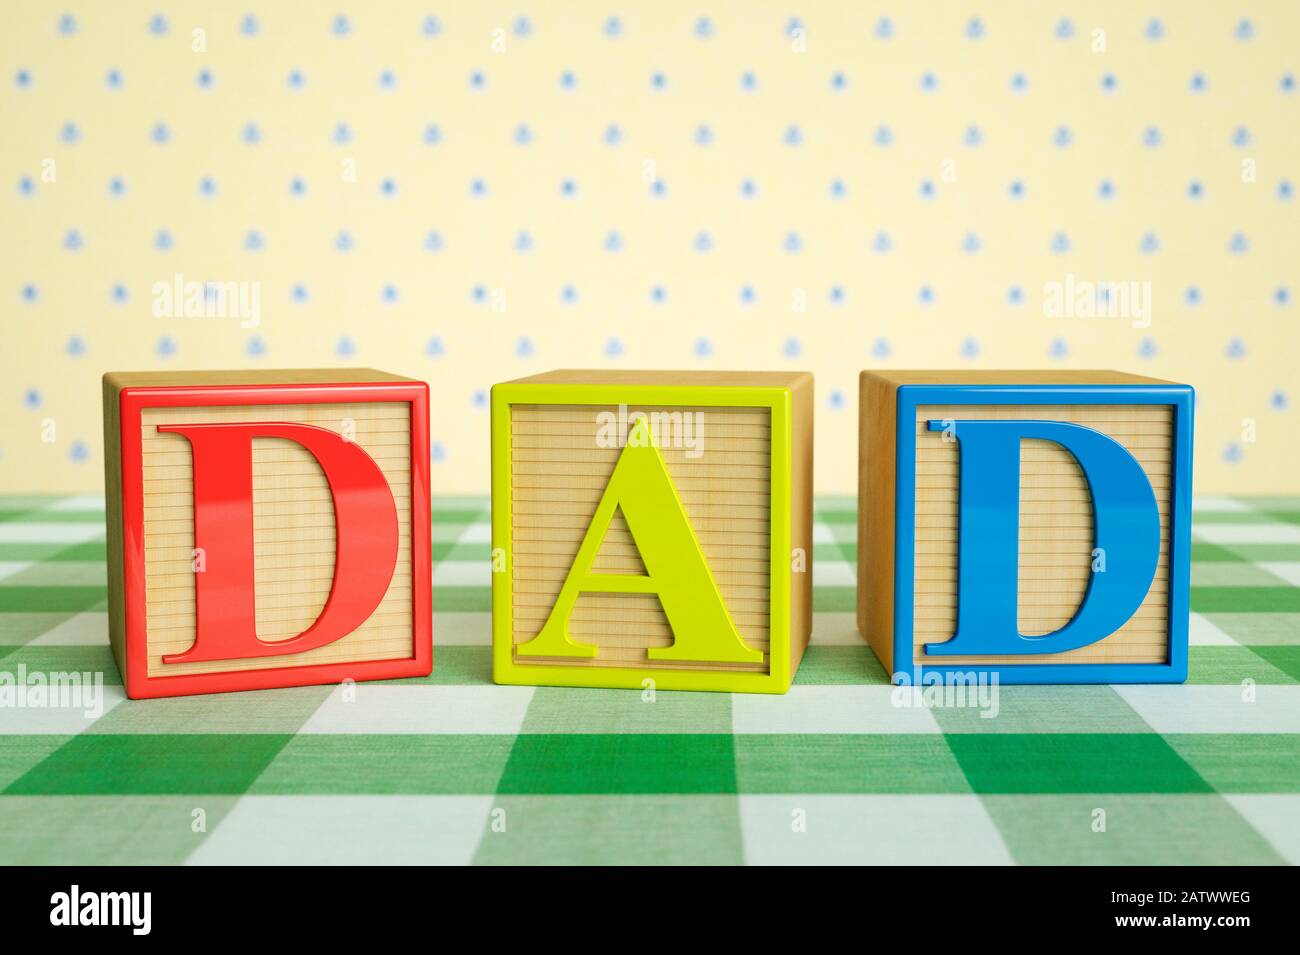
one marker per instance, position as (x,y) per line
(676,570)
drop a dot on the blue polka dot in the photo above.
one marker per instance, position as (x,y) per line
(1106,189)
(973,136)
(1232,453)
(477,80)
(658,294)
(523,242)
(345,348)
(793,136)
(925,295)
(252,134)
(1195,190)
(1235,349)
(613,348)
(929,82)
(1192,296)
(884,28)
(23,79)
(341,26)
(78,452)
(613,27)
(703,348)
(434,348)
(1287,83)
(478,188)
(1281,296)
(792,348)
(882,243)
(1147,349)
(1278,401)
(29,292)
(524,347)
(389,294)
(1155,30)
(207,186)
(613,242)
(70,134)
(748,82)
(1238,244)
(567,80)
(839,81)
(523,27)
(704,28)
(1064,29)
(433,241)
(478,294)
(970,243)
(1198,83)
(1015,295)
(970,348)
(569,295)
(748,295)
(387,80)
(26,186)
(748,188)
(1019,82)
(255,347)
(253,241)
(927,189)
(343,241)
(437,452)
(67,25)
(836,295)
(1245,30)
(1241,137)
(299,294)
(881,348)
(974,29)
(31,399)
(166,347)
(388,187)
(703,242)
(205,79)
(163,241)
(835,400)
(119,294)
(568,188)
(613,135)
(297,187)
(296,79)
(158,25)
(1062,137)
(1149,244)
(1285,190)
(658,189)
(73,240)
(161,134)
(113,79)
(76,347)
(703,135)
(432,134)
(1109,83)
(837,189)
(249,26)
(658,80)
(1151,137)
(1058,349)
(1060,244)
(431,26)
(883,136)
(793,243)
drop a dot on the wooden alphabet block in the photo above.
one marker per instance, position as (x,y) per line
(652,526)
(1030,524)
(266,528)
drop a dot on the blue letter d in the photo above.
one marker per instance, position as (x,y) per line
(1126,522)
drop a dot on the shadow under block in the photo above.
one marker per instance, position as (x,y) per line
(1053,547)
(266,528)
(652,526)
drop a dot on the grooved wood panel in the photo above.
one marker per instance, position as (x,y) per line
(293,533)
(558,473)
(1056,530)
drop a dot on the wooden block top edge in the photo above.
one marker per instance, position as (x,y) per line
(1015,376)
(119,380)
(665,378)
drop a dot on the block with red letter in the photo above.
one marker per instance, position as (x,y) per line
(266,528)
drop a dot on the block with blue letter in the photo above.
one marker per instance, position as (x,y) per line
(1030,524)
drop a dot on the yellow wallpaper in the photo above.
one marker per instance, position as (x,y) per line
(467,192)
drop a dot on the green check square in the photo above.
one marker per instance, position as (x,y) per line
(106,830)
(1223,665)
(462,599)
(625,763)
(19,628)
(1229,574)
(834,599)
(1073,763)
(378,764)
(843,666)
(594,830)
(19,753)
(1243,762)
(846,763)
(1252,599)
(454,666)
(52,599)
(1286,659)
(1255,629)
(1127,829)
(1202,551)
(64,659)
(66,573)
(599,711)
(1045,709)
(282,711)
(139,764)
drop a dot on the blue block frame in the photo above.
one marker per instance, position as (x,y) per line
(1179,397)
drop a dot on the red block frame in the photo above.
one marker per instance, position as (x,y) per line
(138,683)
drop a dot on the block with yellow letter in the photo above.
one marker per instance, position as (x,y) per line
(652,526)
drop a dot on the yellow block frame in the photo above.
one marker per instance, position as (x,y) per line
(504,668)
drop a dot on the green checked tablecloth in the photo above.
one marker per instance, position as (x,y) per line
(454,769)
